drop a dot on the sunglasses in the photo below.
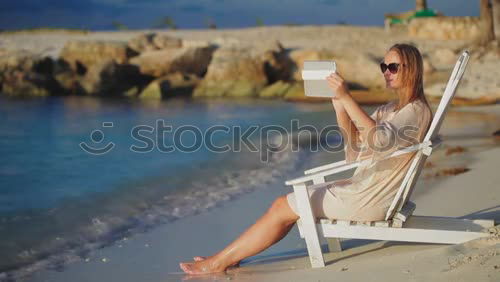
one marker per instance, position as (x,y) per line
(393,67)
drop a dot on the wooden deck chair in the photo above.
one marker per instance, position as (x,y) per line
(399,223)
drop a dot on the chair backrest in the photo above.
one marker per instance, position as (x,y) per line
(406,188)
(448,95)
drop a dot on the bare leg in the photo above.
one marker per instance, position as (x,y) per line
(269,229)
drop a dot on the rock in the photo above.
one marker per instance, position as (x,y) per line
(245,70)
(480,81)
(172,85)
(158,63)
(155,90)
(275,90)
(444,56)
(108,78)
(27,84)
(67,78)
(228,42)
(142,43)
(20,60)
(27,74)
(491,54)
(265,46)
(428,67)
(429,71)
(152,41)
(296,93)
(485,52)
(361,70)
(162,41)
(233,72)
(300,55)
(277,63)
(82,55)
(443,28)
(196,43)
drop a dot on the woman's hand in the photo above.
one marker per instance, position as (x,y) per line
(338,85)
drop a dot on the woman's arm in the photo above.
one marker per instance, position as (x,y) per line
(348,130)
(362,121)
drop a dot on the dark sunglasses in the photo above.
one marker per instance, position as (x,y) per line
(393,67)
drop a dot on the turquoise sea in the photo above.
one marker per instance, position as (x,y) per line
(56,197)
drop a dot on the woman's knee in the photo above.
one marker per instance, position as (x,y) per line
(280,203)
(281,208)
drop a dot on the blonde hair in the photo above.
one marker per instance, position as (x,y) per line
(412,73)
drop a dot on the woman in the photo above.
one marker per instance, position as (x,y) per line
(367,195)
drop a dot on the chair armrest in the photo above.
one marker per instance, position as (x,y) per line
(325,167)
(337,167)
(437,142)
(324,173)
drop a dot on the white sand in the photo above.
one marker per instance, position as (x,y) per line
(475,194)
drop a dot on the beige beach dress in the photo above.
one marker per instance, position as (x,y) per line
(367,195)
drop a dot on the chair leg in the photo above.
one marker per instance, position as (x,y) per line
(308,226)
(314,249)
(334,245)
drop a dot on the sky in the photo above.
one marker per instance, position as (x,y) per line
(143,14)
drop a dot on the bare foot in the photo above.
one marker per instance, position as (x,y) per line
(200,258)
(204,266)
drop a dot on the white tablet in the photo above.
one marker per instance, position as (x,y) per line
(314,74)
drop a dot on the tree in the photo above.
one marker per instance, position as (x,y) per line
(421,5)
(486,17)
(259,22)
(166,22)
(210,23)
(119,26)
(496,18)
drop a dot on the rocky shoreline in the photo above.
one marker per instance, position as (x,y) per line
(262,62)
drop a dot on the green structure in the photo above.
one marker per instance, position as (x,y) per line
(405,18)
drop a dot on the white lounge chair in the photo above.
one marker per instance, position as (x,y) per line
(399,223)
